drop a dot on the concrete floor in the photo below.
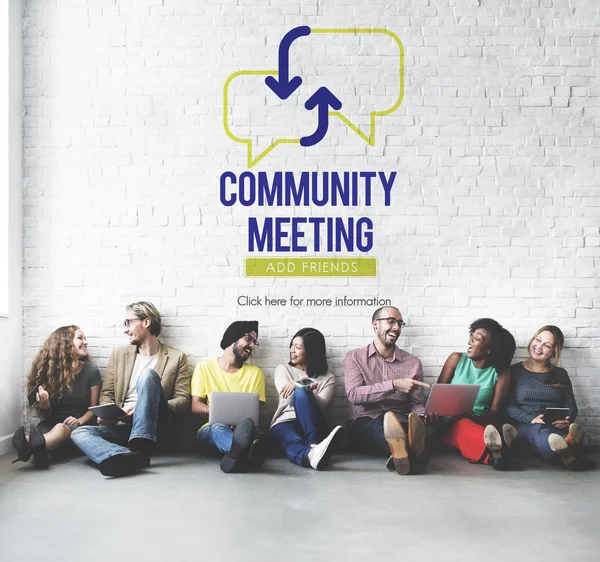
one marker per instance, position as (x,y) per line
(184,508)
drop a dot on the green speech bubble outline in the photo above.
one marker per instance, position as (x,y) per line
(370,139)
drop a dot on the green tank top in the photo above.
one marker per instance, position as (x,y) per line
(467,373)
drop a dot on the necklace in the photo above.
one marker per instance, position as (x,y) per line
(529,368)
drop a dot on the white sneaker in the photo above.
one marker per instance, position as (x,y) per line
(319,455)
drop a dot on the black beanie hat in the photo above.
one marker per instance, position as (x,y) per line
(236,330)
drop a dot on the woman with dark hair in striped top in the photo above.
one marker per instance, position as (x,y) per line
(538,383)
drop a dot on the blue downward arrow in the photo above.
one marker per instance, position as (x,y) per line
(322,99)
(284,87)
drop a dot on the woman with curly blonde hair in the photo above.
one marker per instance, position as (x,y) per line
(66,384)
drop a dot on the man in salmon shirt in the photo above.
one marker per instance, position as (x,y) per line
(385,387)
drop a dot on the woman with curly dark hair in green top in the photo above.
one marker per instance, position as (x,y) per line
(486,362)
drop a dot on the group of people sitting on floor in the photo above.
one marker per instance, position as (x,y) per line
(150,382)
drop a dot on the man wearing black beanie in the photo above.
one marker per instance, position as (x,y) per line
(242,449)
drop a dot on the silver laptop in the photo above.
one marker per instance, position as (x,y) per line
(231,408)
(451,399)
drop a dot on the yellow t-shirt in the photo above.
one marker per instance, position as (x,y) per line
(209,377)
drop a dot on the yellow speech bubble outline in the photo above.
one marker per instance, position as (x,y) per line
(370,139)
(248,142)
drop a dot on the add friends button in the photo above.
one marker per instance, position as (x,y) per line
(310,267)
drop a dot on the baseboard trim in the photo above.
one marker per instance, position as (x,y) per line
(5,444)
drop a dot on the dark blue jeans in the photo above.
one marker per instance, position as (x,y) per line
(366,435)
(151,420)
(536,436)
(295,437)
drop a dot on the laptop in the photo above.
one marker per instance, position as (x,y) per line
(231,408)
(451,399)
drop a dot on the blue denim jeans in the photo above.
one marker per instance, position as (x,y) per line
(366,435)
(216,436)
(295,437)
(101,442)
(536,436)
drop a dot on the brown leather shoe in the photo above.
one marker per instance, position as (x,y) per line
(558,444)
(575,437)
(396,439)
(416,439)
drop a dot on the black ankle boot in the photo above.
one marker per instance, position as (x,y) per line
(38,447)
(20,443)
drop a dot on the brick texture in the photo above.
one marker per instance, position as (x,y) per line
(495,210)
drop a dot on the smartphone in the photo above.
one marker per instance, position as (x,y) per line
(32,394)
(305,382)
(554,414)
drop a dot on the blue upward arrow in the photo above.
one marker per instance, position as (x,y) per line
(322,99)
(284,87)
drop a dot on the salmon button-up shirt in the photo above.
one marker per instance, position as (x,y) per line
(369,383)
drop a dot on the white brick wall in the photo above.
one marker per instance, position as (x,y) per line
(495,210)
(11,411)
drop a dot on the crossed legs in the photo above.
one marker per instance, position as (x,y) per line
(123,448)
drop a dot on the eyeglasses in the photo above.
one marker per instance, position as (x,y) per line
(392,321)
(250,339)
(128,321)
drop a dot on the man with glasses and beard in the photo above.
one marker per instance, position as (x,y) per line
(385,387)
(242,448)
(151,383)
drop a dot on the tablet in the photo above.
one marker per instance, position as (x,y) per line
(554,414)
(451,399)
(108,411)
